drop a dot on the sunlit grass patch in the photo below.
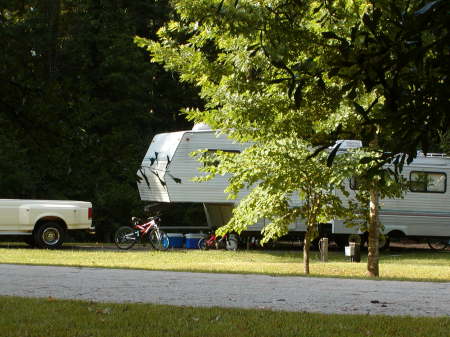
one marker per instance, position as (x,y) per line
(431,266)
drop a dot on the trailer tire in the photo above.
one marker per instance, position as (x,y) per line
(49,235)
(437,243)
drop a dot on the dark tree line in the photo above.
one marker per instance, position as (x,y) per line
(80,101)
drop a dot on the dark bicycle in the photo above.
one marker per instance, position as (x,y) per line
(126,236)
(228,242)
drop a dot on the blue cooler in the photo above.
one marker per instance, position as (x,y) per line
(192,240)
(175,240)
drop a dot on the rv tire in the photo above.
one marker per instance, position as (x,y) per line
(437,243)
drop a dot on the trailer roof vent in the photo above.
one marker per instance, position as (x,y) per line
(201,127)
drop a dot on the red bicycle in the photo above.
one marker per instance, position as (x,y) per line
(126,236)
(228,242)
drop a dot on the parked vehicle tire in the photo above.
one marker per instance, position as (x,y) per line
(202,244)
(125,237)
(159,239)
(50,235)
(231,244)
(438,243)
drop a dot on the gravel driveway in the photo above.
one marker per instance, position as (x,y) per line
(326,295)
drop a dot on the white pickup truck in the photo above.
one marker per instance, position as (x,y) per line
(44,222)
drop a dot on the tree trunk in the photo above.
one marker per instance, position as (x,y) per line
(374,233)
(306,246)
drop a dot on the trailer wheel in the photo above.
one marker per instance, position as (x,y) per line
(50,235)
(438,243)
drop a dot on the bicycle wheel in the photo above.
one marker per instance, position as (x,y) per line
(231,244)
(125,237)
(159,239)
(437,243)
(202,244)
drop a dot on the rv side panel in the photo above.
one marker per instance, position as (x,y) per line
(182,169)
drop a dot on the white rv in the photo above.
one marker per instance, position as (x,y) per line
(424,212)
(168,168)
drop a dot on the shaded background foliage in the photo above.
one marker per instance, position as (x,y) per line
(80,102)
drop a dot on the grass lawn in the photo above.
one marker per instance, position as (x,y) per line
(415,266)
(21,317)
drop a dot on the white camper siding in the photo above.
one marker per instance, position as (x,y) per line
(150,187)
(185,167)
(154,164)
(419,213)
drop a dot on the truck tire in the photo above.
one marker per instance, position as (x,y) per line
(50,235)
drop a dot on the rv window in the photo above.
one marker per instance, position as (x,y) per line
(209,158)
(431,182)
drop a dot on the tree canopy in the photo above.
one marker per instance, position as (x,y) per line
(318,71)
(366,69)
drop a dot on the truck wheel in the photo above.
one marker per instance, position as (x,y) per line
(50,235)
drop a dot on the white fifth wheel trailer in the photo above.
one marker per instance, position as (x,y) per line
(424,212)
(168,168)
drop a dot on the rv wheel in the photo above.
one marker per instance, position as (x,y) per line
(438,243)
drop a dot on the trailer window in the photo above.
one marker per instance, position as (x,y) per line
(430,182)
(209,158)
